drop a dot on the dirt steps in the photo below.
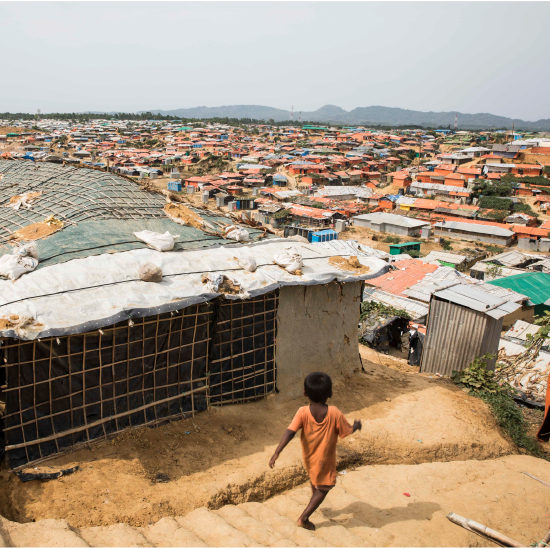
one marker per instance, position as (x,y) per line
(171,533)
(251,524)
(372,506)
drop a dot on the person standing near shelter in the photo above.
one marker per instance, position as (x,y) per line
(321,425)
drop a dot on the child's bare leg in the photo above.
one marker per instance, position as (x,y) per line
(312,489)
(317,498)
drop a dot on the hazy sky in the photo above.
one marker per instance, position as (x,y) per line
(129,56)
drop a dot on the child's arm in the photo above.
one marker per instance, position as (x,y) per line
(285,440)
(345,428)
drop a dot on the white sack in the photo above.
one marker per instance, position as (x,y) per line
(290,259)
(299,239)
(237,233)
(13,266)
(150,273)
(249,264)
(159,241)
(27,249)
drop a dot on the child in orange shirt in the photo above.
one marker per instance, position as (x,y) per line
(321,425)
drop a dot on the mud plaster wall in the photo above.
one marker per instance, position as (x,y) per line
(316,331)
(525,313)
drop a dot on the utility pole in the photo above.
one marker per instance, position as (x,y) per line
(456,122)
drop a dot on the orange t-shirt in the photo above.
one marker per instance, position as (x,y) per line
(319,442)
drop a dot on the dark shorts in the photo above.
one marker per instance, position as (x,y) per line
(324,488)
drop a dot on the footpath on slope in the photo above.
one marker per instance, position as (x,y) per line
(381,505)
(220,457)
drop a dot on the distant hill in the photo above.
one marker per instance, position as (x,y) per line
(374,115)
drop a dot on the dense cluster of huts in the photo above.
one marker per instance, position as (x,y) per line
(316,175)
(89,349)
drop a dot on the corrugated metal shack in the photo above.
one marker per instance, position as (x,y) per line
(465,322)
(390,223)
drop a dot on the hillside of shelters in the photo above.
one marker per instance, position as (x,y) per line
(413,199)
(185,277)
(462,196)
(122,307)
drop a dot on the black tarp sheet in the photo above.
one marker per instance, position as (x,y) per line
(242,360)
(74,389)
(416,345)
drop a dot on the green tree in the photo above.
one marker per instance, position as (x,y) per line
(493,189)
(497,203)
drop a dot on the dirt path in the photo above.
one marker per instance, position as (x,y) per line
(370,506)
(364,236)
(493,492)
(291,179)
(221,456)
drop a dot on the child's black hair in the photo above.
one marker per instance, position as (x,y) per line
(318,387)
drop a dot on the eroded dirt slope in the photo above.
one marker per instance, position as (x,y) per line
(221,456)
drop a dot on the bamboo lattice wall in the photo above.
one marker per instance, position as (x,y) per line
(67,391)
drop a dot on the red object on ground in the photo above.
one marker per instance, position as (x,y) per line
(544,432)
(407,494)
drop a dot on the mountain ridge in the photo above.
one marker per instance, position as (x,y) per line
(376,115)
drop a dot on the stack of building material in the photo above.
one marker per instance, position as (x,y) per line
(524,360)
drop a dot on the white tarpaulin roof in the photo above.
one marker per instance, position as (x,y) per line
(354,248)
(521,329)
(414,308)
(89,293)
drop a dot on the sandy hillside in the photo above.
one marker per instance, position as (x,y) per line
(221,456)
(365,236)
(493,492)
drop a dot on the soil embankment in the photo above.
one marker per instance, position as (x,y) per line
(221,456)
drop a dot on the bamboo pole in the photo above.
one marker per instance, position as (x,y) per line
(484,531)
(537,479)
(544,541)
(103,420)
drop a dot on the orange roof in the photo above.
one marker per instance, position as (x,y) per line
(454,206)
(427,204)
(533,231)
(308,212)
(409,273)
(430,204)
(469,170)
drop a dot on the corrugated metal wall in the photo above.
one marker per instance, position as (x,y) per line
(455,336)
